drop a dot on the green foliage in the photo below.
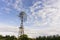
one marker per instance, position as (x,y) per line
(13,38)
(57,37)
(25,37)
(7,37)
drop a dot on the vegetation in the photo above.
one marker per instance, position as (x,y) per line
(25,37)
(54,37)
(7,37)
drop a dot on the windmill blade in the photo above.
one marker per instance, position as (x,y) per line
(24,15)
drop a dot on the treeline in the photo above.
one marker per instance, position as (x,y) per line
(7,37)
(25,37)
(54,37)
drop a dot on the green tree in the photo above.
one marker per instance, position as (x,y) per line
(23,37)
(2,37)
(13,38)
(7,37)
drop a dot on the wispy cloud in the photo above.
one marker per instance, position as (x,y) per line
(49,14)
(44,18)
(8,28)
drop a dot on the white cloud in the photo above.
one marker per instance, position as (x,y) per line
(15,4)
(47,25)
(8,30)
(18,5)
(50,15)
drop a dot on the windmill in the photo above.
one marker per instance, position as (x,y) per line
(23,18)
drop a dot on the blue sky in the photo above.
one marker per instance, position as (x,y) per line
(10,10)
(42,17)
(10,14)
